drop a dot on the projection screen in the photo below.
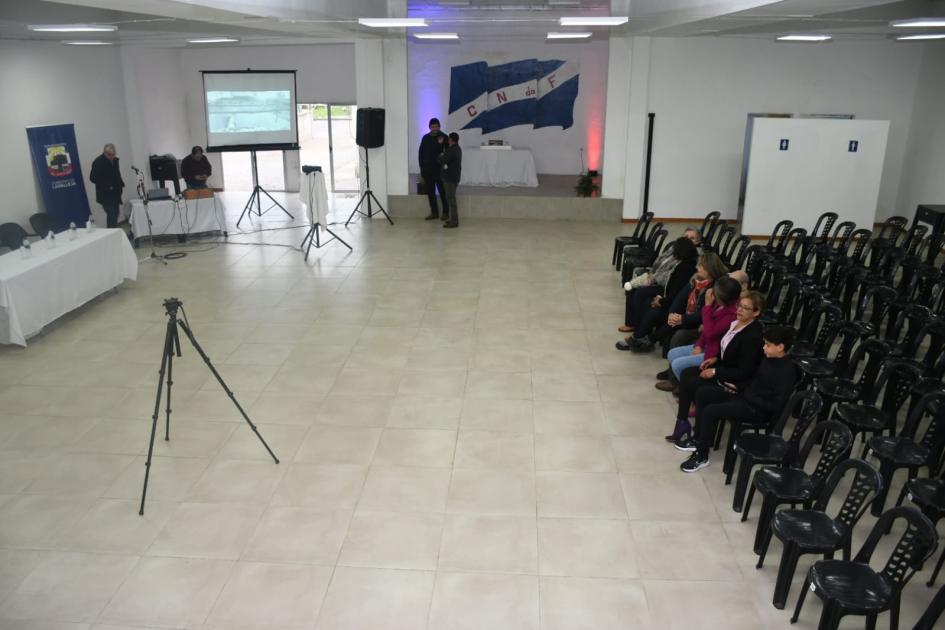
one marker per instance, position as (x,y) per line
(250,110)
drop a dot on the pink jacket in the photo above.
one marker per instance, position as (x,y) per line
(715,323)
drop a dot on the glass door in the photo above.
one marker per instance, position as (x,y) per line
(326,138)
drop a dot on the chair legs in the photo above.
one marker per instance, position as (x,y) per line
(800,598)
(938,567)
(782,586)
(747,507)
(763,532)
(741,482)
(886,471)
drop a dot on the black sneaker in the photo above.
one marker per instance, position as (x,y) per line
(694,463)
(686,444)
(641,346)
(665,375)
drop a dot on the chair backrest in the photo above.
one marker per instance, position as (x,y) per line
(12,235)
(841,236)
(896,383)
(738,253)
(867,359)
(711,235)
(707,221)
(778,238)
(932,404)
(822,329)
(914,236)
(860,239)
(915,546)
(839,439)
(907,325)
(865,485)
(932,336)
(643,223)
(849,334)
(837,275)
(810,302)
(823,226)
(42,224)
(723,239)
(790,299)
(892,228)
(797,237)
(650,242)
(656,244)
(877,299)
(804,406)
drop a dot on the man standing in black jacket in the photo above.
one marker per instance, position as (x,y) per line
(106,176)
(431,147)
(452,161)
(762,399)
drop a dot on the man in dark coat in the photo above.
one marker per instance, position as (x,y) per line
(452,161)
(432,146)
(195,168)
(106,176)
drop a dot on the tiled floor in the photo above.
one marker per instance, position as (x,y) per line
(460,444)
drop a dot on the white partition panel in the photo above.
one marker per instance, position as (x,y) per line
(800,168)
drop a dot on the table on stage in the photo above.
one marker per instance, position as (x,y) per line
(36,291)
(499,167)
(169,216)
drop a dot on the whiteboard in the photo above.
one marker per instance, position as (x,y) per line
(800,168)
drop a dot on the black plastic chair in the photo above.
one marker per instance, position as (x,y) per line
(12,235)
(42,224)
(895,383)
(793,485)
(709,223)
(723,240)
(824,224)
(815,531)
(852,587)
(867,360)
(761,449)
(777,242)
(816,337)
(903,331)
(905,451)
(929,496)
(737,257)
(638,236)
(815,367)
(644,255)
(875,300)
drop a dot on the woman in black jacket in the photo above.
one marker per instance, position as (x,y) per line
(732,370)
(760,402)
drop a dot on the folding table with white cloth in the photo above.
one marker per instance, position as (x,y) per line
(170,216)
(36,291)
(498,167)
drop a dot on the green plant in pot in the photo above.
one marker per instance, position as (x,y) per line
(586,186)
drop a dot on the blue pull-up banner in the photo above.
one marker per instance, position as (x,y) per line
(58,173)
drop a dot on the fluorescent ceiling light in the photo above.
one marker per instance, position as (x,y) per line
(920,37)
(805,38)
(436,35)
(564,3)
(574,35)
(918,23)
(73,28)
(391,22)
(212,40)
(615,20)
(87,42)
(454,3)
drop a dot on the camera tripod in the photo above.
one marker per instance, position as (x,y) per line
(172,347)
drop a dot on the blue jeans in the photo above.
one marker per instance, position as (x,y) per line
(682,357)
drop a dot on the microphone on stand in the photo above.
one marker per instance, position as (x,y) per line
(135,169)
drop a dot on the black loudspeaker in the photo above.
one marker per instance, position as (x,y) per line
(370,133)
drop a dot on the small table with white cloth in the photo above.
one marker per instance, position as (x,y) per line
(498,167)
(170,216)
(36,291)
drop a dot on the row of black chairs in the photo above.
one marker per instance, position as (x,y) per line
(13,234)
(867,344)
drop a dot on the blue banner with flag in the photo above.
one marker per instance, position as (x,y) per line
(525,92)
(56,163)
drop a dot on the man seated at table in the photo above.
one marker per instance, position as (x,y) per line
(195,168)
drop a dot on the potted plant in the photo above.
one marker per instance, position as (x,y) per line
(586,186)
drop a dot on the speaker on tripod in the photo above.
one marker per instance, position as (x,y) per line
(369,135)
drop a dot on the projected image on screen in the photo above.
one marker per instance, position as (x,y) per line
(246,110)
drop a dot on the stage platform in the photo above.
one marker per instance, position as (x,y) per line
(554,199)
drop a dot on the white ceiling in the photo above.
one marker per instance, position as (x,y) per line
(171,22)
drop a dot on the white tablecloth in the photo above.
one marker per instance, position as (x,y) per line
(499,167)
(35,292)
(190,216)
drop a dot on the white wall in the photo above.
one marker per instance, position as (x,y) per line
(556,151)
(923,177)
(45,83)
(702,89)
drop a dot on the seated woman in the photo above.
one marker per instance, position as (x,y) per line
(760,402)
(721,304)
(734,367)
(643,300)
(685,310)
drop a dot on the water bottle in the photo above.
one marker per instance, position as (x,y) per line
(26,249)
(50,240)
(90,226)
(73,233)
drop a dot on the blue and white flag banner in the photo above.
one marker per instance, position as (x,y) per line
(58,173)
(526,92)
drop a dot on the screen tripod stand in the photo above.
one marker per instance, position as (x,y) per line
(172,347)
(368,195)
(255,199)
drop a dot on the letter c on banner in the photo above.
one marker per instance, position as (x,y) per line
(471,110)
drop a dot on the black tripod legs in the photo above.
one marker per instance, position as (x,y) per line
(368,196)
(312,238)
(165,360)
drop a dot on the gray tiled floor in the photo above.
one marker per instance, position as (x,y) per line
(461,447)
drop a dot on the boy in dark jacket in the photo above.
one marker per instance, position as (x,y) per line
(762,399)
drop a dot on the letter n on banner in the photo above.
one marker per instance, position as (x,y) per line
(58,173)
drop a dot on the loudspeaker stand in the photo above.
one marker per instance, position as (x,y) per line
(368,195)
